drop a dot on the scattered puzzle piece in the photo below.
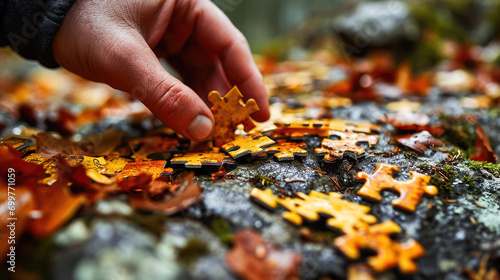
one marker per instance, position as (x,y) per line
(287,150)
(324,128)
(344,215)
(253,145)
(335,149)
(198,160)
(389,253)
(410,191)
(230,111)
(154,168)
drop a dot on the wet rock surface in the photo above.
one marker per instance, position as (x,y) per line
(457,227)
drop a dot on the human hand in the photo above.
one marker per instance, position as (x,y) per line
(118,42)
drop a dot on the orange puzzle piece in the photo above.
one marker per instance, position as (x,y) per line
(230,111)
(322,128)
(410,191)
(197,160)
(335,149)
(287,150)
(389,252)
(347,216)
(253,145)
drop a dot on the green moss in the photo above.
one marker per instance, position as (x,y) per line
(221,228)
(442,179)
(194,249)
(488,166)
(424,166)
(263,181)
(449,172)
(471,182)
(443,185)
(459,132)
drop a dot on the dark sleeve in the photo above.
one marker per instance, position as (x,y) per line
(30,26)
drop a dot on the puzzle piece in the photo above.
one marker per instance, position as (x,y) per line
(324,128)
(197,160)
(287,150)
(389,253)
(155,168)
(335,149)
(344,215)
(410,191)
(253,145)
(230,111)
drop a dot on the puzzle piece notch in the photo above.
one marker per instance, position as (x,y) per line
(198,160)
(335,149)
(254,145)
(347,216)
(287,150)
(410,191)
(230,111)
(389,252)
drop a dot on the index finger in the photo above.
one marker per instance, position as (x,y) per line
(215,32)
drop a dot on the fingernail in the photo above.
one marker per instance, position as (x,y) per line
(200,128)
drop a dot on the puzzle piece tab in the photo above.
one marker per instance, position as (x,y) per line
(389,252)
(230,111)
(287,150)
(253,145)
(335,149)
(344,215)
(410,191)
(198,160)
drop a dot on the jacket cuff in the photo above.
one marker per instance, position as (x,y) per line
(30,27)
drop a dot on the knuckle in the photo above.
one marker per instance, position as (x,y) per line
(170,99)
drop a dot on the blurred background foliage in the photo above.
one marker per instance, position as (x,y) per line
(410,28)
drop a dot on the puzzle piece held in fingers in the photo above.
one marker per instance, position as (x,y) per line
(410,191)
(230,111)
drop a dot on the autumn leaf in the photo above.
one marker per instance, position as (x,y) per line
(24,203)
(182,194)
(420,142)
(483,152)
(48,145)
(252,258)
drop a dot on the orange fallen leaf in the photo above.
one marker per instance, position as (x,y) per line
(420,142)
(252,258)
(183,194)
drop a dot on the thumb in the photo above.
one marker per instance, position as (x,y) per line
(131,66)
(170,100)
